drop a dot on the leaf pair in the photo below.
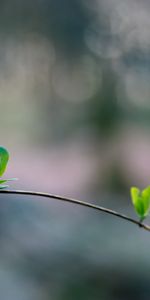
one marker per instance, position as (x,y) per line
(4,157)
(141,201)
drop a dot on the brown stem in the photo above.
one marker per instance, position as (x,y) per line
(79,202)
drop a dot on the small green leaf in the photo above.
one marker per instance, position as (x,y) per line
(135,193)
(5,180)
(137,202)
(139,207)
(141,201)
(4,157)
(146,199)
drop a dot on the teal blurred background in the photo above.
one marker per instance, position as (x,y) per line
(75,116)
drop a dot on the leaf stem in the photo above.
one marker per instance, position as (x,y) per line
(78,202)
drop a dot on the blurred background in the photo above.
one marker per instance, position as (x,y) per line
(75,117)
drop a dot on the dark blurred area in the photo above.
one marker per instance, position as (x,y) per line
(75,116)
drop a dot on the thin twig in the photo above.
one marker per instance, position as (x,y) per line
(79,202)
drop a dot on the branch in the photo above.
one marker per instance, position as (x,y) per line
(78,202)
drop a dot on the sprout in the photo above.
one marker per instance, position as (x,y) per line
(141,201)
(4,157)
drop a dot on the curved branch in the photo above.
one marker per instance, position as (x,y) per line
(78,202)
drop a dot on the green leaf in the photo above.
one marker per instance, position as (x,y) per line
(146,200)
(5,180)
(138,202)
(135,193)
(139,208)
(4,157)
(141,201)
